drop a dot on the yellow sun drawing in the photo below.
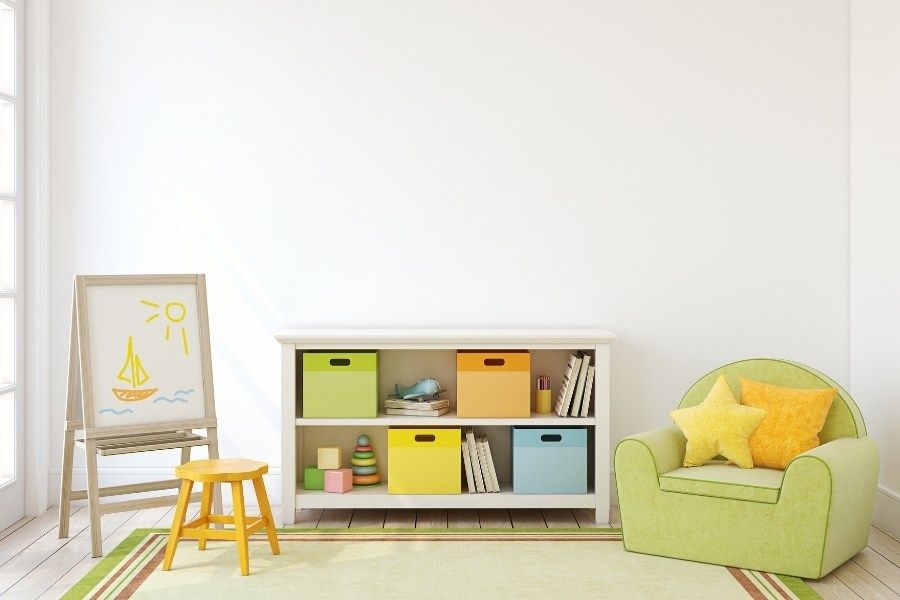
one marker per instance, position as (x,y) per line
(175,312)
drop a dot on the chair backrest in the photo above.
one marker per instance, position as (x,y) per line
(844,418)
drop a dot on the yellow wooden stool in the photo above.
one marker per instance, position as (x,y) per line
(222,470)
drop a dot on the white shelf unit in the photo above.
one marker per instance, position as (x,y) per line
(409,354)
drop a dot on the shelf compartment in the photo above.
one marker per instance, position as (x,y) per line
(378,497)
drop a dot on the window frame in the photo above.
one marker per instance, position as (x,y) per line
(15,198)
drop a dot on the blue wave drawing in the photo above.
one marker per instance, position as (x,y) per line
(169,400)
(116,412)
(185,392)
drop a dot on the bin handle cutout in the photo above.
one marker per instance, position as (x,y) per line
(551,437)
(339,362)
(494,362)
(424,437)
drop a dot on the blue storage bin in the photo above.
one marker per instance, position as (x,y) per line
(549,461)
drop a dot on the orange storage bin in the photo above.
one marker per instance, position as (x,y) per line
(493,384)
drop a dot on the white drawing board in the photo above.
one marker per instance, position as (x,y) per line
(145,353)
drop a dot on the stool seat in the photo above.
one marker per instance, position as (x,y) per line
(221,469)
(233,471)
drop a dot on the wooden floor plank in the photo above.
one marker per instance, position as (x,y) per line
(38,550)
(885,545)
(147,518)
(463,518)
(615,520)
(335,518)
(20,523)
(527,518)
(61,561)
(368,518)
(863,583)
(165,519)
(586,518)
(308,518)
(17,541)
(832,588)
(431,518)
(400,518)
(494,518)
(881,568)
(560,518)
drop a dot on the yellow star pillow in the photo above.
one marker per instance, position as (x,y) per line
(718,426)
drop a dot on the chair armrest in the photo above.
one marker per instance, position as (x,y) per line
(665,445)
(852,461)
(841,476)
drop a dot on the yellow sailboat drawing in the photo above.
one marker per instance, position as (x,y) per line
(134,374)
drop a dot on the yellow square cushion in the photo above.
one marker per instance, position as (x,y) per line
(794,417)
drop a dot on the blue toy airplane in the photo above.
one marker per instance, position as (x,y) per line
(423,389)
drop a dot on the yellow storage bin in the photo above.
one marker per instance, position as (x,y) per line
(493,384)
(424,461)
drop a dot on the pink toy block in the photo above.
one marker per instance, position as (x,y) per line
(338,481)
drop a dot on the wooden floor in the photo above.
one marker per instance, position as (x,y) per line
(34,563)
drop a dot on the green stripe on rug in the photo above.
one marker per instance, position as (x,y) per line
(108,563)
(799,587)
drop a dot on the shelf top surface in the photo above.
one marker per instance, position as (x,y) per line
(484,337)
(536,419)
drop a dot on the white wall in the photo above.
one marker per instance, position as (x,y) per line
(874,243)
(675,172)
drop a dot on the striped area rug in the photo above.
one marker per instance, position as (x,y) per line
(436,564)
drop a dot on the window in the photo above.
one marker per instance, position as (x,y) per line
(10,218)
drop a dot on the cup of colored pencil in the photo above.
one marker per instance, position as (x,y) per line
(542,395)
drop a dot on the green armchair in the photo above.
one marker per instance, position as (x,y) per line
(803,521)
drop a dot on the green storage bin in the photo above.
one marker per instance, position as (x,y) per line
(340,385)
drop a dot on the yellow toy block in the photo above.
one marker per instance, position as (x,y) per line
(329,457)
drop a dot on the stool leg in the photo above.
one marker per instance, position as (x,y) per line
(205,506)
(184,497)
(266,511)
(240,526)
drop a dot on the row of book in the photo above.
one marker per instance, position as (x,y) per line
(481,476)
(574,399)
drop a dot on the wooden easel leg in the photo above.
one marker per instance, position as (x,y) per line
(65,485)
(184,497)
(262,498)
(185,454)
(213,449)
(93,495)
(240,526)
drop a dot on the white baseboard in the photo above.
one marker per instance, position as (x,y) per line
(887,511)
(126,475)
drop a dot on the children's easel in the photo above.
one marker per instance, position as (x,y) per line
(140,379)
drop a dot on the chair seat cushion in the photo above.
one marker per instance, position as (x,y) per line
(721,480)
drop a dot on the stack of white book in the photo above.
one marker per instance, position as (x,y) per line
(574,399)
(416,408)
(481,476)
